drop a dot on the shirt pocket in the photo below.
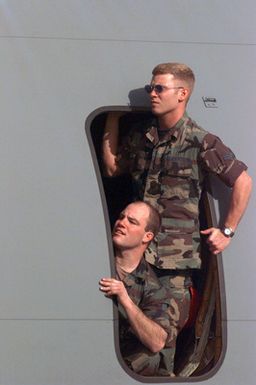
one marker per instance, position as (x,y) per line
(176,177)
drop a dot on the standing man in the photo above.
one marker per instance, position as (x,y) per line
(144,304)
(169,159)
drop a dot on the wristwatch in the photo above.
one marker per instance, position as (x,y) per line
(228,232)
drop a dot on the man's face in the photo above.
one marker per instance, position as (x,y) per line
(129,230)
(169,99)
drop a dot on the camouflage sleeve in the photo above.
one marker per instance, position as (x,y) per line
(157,307)
(220,160)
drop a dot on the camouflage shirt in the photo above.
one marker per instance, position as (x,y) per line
(169,168)
(152,298)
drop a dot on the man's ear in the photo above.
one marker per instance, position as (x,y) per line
(148,236)
(183,94)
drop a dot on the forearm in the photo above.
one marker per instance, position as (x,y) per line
(239,200)
(152,335)
(110,145)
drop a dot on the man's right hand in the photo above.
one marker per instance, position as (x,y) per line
(111,286)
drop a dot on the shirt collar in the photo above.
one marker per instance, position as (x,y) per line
(172,134)
(137,275)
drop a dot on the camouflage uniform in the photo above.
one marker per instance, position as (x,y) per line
(152,298)
(168,169)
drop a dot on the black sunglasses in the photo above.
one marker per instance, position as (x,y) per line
(158,88)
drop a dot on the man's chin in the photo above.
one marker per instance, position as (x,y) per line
(117,240)
(155,111)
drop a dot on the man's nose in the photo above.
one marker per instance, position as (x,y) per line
(121,222)
(153,93)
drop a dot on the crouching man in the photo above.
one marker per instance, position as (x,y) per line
(147,314)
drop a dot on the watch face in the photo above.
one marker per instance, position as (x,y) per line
(227,232)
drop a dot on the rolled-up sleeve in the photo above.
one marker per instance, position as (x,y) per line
(218,159)
(158,307)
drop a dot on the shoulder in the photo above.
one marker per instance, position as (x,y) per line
(152,285)
(193,130)
(146,273)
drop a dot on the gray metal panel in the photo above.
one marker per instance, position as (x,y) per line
(53,240)
(164,20)
(58,352)
(52,217)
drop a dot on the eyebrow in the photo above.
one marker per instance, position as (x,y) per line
(133,220)
(122,214)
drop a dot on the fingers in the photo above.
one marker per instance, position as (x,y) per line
(216,240)
(212,232)
(105,285)
(109,286)
(207,231)
(106,282)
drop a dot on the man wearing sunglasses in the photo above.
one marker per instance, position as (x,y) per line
(169,159)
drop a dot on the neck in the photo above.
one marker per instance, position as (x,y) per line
(128,260)
(169,120)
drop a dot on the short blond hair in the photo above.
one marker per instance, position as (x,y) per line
(179,71)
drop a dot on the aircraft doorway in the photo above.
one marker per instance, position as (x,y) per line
(201,345)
